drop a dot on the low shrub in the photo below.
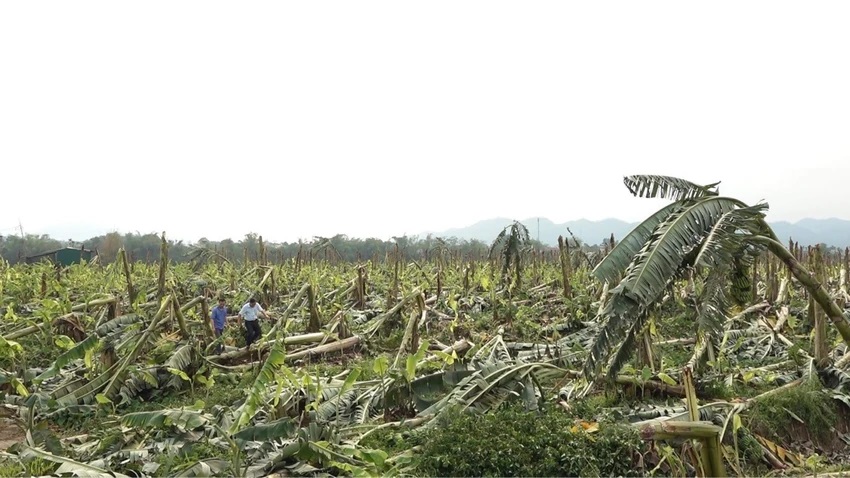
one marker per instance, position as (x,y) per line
(513,442)
(777,414)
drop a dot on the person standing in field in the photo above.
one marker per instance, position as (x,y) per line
(219,320)
(250,313)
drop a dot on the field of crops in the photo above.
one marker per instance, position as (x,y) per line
(699,345)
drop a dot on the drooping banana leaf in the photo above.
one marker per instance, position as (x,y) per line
(181,360)
(209,467)
(266,432)
(69,397)
(627,347)
(620,315)
(712,305)
(728,234)
(615,263)
(116,324)
(489,387)
(76,353)
(108,329)
(254,401)
(113,385)
(185,419)
(67,465)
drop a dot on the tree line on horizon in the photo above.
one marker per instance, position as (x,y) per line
(146,247)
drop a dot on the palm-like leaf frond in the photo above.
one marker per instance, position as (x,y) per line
(627,347)
(510,242)
(201,254)
(712,305)
(654,186)
(662,256)
(728,234)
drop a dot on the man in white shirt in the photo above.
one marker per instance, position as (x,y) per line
(250,313)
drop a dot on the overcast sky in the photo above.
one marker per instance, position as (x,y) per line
(294,119)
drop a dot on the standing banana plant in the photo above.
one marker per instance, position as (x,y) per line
(511,244)
(700,232)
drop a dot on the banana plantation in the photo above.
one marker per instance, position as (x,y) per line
(698,345)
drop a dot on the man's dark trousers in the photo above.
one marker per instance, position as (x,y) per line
(220,348)
(252,331)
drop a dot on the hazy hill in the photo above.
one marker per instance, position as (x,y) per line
(833,232)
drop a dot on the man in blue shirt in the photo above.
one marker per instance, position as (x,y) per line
(250,313)
(219,319)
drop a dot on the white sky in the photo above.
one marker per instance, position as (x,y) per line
(294,119)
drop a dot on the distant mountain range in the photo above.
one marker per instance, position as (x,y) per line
(832,232)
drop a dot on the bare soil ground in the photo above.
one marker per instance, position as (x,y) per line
(10,433)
